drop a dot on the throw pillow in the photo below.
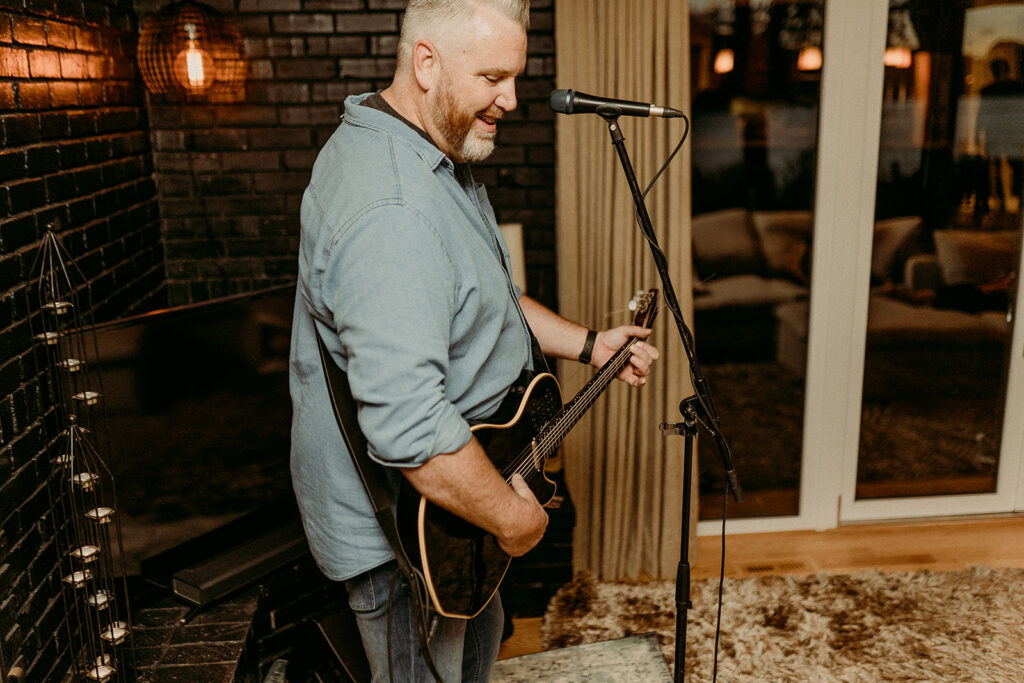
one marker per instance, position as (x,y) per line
(976,256)
(723,244)
(785,242)
(893,241)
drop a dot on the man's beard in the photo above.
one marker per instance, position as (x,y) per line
(456,125)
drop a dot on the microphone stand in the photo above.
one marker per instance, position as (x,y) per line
(699,408)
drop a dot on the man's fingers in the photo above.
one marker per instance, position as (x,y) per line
(520,486)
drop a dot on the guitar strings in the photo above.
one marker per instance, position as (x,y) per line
(569,416)
(523,464)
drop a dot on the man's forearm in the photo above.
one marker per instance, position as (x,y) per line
(467,484)
(558,336)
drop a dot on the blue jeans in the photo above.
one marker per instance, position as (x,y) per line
(463,649)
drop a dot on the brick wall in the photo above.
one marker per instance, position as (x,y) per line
(73,149)
(231,175)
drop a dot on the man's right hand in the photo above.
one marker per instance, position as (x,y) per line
(527,525)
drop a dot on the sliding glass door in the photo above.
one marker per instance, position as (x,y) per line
(908,386)
(939,427)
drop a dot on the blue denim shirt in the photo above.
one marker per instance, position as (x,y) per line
(403,271)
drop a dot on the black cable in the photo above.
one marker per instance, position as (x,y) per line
(721,580)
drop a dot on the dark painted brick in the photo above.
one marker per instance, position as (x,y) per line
(60,34)
(366,68)
(27,195)
(246,115)
(60,186)
(14,62)
(12,165)
(303,23)
(53,125)
(73,65)
(88,39)
(7,96)
(63,94)
(33,95)
(43,160)
(250,161)
(44,64)
(303,69)
(283,138)
(20,129)
(366,22)
(334,5)
(29,30)
(269,5)
(221,139)
(346,46)
(386,45)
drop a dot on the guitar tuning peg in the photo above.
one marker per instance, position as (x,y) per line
(634,303)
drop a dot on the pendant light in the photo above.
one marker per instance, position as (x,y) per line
(190,48)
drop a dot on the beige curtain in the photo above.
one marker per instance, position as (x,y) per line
(624,476)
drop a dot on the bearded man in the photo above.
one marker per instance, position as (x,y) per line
(403,271)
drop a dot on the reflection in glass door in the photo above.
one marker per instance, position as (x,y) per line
(946,250)
(756,71)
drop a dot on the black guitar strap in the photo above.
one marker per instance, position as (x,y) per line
(376,484)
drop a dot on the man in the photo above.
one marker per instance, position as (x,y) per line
(403,272)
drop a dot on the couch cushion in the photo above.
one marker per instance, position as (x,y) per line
(893,242)
(975,256)
(746,291)
(785,238)
(723,244)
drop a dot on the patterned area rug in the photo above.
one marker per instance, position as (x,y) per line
(871,626)
(626,660)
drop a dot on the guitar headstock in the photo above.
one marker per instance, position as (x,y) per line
(645,306)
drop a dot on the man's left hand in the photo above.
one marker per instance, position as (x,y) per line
(610,341)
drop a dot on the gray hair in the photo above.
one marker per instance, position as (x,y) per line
(421,16)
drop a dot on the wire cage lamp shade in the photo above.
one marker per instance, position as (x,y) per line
(191,48)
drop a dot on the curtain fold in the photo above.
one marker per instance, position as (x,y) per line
(624,476)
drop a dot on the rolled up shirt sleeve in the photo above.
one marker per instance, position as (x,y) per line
(391,285)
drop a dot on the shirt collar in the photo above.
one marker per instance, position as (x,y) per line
(395,127)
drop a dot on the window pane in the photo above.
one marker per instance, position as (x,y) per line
(943,267)
(756,79)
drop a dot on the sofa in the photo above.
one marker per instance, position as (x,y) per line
(946,304)
(748,264)
(948,311)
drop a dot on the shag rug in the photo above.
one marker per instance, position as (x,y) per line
(871,626)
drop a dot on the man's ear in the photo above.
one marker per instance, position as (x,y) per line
(425,65)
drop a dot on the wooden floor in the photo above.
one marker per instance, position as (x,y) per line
(938,546)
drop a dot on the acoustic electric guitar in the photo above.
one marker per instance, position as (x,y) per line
(461,564)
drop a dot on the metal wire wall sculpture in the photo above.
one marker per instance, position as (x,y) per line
(82,495)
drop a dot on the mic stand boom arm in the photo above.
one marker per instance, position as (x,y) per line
(697,408)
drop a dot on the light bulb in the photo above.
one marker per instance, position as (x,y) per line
(724,61)
(809,59)
(193,67)
(898,57)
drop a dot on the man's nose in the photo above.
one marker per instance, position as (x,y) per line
(506,99)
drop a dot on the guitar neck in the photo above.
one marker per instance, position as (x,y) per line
(556,430)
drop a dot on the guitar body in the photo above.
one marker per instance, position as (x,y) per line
(463,565)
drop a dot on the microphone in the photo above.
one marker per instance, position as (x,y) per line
(572,102)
